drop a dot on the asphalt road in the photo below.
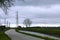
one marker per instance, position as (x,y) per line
(18,36)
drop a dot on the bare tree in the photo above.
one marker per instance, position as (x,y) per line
(5,4)
(27,22)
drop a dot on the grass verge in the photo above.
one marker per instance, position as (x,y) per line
(46,38)
(53,31)
(3,36)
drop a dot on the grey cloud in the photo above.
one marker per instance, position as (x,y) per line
(49,15)
(46,21)
(37,14)
(37,2)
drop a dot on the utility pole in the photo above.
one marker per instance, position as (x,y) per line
(6,13)
(5,21)
(0,21)
(9,24)
(17,18)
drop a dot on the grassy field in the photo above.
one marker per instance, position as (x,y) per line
(55,31)
(3,36)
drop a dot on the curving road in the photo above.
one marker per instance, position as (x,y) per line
(17,36)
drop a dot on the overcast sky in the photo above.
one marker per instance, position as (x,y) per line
(38,11)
